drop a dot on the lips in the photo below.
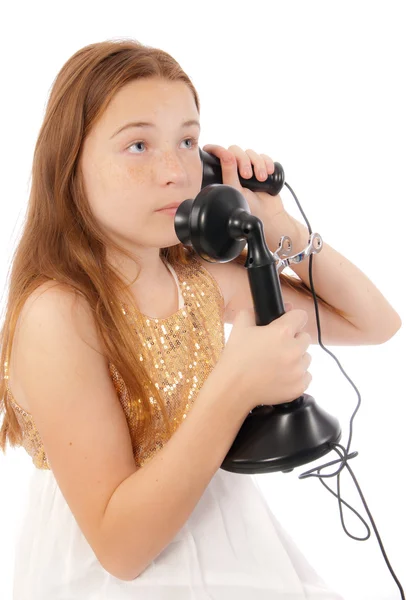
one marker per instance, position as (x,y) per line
(169,206)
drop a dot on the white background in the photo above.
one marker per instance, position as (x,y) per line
(319,86)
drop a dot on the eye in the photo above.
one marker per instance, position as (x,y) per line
(136,144)
(193,142)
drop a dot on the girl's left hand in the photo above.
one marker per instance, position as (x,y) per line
(233,161)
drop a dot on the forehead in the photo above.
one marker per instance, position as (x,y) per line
(150,99)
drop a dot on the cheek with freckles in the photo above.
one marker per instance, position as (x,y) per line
(125,182)
(117,195)
(138,174)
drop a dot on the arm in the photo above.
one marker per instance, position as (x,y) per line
(127,515)
(150,507)
(338,282)
(371,319)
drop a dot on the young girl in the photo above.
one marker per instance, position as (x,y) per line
(116,377)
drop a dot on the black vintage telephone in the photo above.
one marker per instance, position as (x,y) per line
(218,224)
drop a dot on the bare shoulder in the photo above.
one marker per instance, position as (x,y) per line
(49,295)
(56,304)
(51,306)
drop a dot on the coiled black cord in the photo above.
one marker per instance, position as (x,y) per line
(344,456)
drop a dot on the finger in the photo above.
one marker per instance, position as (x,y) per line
(228,164)
(304,339)
(260,167)
(307,360)
(270,165)
(243,161)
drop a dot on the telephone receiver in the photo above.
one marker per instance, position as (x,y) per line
(212,174)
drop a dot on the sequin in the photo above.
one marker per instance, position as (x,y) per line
(189,342)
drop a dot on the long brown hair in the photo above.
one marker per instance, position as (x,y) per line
(61,240)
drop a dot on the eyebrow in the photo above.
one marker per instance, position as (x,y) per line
(146,124)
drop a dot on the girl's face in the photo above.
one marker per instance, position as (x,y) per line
(141,155)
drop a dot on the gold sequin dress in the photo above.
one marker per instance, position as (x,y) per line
(231,547)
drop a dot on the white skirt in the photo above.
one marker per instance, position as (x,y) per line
(231,548)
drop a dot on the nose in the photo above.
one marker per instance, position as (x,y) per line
(169,168)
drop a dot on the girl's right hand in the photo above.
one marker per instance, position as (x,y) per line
(267,364)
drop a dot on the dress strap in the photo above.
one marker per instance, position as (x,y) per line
(181,300)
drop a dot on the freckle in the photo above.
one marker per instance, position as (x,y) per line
(140,174)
